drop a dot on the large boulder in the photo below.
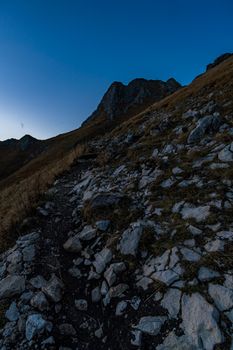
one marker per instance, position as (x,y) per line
(209,123)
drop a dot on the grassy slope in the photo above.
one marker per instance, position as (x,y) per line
(19,192)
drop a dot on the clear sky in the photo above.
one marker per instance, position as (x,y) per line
(58,57)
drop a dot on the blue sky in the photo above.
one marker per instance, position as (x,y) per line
(58,57)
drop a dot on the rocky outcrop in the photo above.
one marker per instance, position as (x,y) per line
(120,99)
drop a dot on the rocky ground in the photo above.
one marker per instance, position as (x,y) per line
(133,249)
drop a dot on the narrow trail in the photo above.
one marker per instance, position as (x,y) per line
(53,259)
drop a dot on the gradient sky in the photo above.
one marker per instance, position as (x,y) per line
(58,57)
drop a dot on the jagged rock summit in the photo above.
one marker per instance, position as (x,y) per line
(120,99)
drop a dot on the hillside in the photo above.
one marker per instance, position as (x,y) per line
(131,247)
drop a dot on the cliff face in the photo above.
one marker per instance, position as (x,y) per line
(120,99)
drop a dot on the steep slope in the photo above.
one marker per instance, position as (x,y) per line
(133,250)
(122,101)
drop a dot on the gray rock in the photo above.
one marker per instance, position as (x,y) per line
(75,272)
(198,213)
(194,230)
(38,282)
(166,276)
(205,274)
(222,296)
(81,304)
(118,291)
(2,270)
(171,302)
(214,246)
(102,225)
(173,342)
(12,314)
(53,289)
(190,255)
(102,259)
(28,239)
(15,257)
(135,302)
(226,155)
(87,233)
(137,338)
(29,253)
(73,244)
(200,322)
(67,329)
(144,283)
(121,307)
(36,325)
(95,295)
(104,288)
(228,281)
(110,276)
(204,125)
(105,200)
(99,333)
(39,301)
(11,286)
(150,324)
(130,240)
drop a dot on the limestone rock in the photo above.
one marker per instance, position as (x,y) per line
(130,239)
(53,289)
(73,244)
(200,322)
(102,259)
(150,324)
(36,325)
(226,155)
(171,302)
(11,286)
(222,296)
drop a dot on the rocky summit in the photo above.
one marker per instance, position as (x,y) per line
(126,100)
(132,248)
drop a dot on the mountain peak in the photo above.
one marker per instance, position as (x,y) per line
(122,100)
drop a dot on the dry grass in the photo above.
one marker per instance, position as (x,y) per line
(17,200)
